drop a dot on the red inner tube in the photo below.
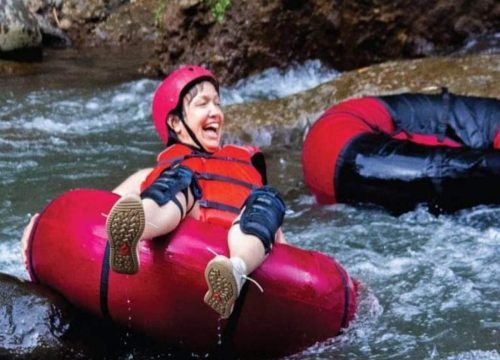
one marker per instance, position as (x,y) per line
(308,297)
(450,143)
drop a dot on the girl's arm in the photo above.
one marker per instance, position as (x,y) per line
(280,237)
(132,184)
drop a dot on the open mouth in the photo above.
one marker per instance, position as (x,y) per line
(212,129)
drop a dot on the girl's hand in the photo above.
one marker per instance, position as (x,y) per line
(280,237)
(25,237)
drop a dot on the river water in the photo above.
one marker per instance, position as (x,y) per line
(430,284)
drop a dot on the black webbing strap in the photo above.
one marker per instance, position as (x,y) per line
(103,291)
(218,206)
(226,346)
(190,132)
(178,204)
(227,179)
(208,156)
(444,119)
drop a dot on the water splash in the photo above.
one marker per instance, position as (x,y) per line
(219,331)
(274,83)
(476,355)
(47,120)
(482,44)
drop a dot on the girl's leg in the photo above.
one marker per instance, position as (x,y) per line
(249,239)
(159,210)
(160,220)
(247,247)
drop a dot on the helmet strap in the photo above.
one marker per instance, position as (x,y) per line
(190,132)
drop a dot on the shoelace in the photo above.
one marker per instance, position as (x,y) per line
(242,275)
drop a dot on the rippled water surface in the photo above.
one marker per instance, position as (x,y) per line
(430,285)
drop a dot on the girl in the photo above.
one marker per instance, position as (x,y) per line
(196,176)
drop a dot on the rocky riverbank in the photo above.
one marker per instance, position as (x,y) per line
(287,118)
(253,35)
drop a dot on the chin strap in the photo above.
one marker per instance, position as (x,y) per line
(190,132)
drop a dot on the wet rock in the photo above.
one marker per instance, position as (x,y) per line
(54,36)
(285,120)
(110,23)
(344,35)
(273,33)
(84,10)
(34,5)
(33,320)
(20,36)
(65,24)
(47,16)
(37,323)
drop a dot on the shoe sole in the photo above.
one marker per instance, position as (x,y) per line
(222,288)
(125,226)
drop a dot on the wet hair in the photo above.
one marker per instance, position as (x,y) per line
(188,93)
(191,90)
(191,93)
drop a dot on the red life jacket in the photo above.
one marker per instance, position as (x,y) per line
(226,178)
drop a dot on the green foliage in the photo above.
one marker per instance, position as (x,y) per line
(158,12)
(218,8)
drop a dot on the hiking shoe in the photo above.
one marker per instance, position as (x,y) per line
(223,285)
(125,225)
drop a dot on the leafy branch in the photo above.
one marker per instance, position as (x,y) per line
(218,8)
(158,12)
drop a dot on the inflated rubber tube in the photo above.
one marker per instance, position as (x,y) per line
(308,297)
(400,150)
(398,174)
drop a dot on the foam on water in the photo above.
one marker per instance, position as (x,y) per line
(476,355)
(127,107)
(487,44)
(437,278)
(80,112)
(275,83)
(11,259)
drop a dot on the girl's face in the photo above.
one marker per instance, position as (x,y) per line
(203,115)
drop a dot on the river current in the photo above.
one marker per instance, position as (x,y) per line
(430,285)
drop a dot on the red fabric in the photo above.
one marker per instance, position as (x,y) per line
(214,190)
(304,299)
(496,141)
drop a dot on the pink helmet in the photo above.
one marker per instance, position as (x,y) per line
(168,94)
